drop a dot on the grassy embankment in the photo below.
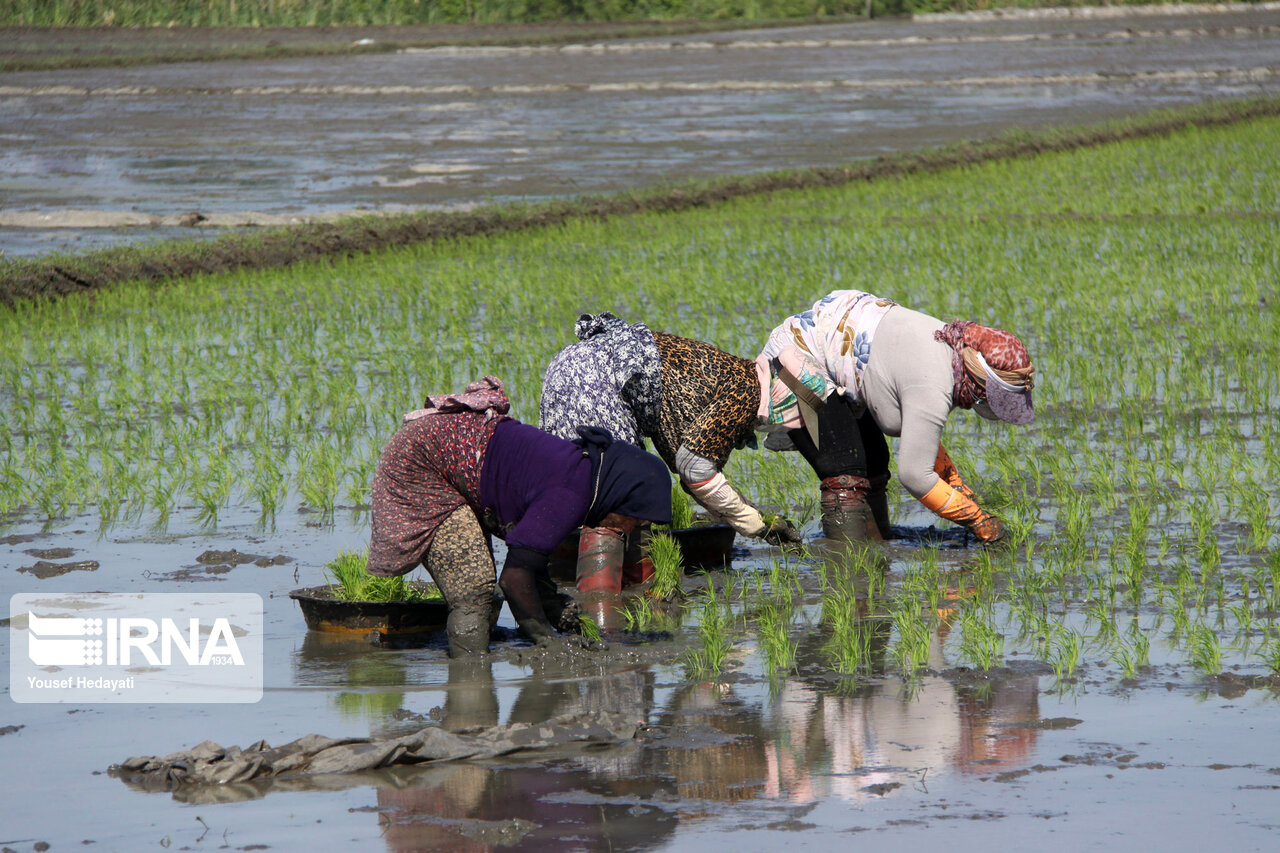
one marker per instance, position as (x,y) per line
(1143,276)
(301,13)
(39,34)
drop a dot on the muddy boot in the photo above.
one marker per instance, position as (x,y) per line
(637,566)
(878,500)
(468,631)
(600,557)
(846,516)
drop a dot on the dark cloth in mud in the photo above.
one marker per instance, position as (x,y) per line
(313,755)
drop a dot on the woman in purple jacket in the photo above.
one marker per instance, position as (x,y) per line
(460,470)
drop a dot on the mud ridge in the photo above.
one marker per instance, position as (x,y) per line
(51,278)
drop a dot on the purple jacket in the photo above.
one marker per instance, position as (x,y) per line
(534,488)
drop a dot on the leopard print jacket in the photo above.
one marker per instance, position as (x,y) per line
(709,400)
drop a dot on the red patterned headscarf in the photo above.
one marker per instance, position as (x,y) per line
(1002,351)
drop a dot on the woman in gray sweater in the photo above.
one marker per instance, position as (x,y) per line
(838,378)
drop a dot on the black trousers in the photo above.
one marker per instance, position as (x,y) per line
(847,443)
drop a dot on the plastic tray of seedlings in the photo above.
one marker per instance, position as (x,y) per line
(359,603)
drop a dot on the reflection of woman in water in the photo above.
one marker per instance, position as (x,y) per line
(475,807)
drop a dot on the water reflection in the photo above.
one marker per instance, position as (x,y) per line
(813,737)
(808,741)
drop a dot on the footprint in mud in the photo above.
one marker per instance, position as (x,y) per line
(212,563)
(43,569)
(50,553)
(235,558)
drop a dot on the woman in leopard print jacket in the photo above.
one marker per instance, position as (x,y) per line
(695,402)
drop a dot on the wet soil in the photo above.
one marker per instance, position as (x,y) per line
(43,569)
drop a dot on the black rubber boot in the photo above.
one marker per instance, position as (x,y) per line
(878,500)
(468,631)
(846,515)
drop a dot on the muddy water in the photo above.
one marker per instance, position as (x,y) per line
(98,157)
(739,761)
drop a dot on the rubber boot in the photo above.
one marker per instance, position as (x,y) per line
(600,557)
(637,566)
(878,500)
(846,516)
(468,631)
(601,552)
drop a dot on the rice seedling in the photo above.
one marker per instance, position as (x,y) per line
(713,627)
(588,628)
(1132,655)
(668,566)
(980,644)
(1271,655)
(642,615)
(773,627)
(350,580)
(1204,649)
(911,649)
(681,510)
(1067,647)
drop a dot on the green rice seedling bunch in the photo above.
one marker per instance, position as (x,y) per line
(773,627)
(1131,656)
(1257,512)
(980,643)
(1271,655)
(910,651)
(668,566)
(588,628)
(350,580)
(1204,649)
(681,510)
(641,614)
(713,633)
(1067,646)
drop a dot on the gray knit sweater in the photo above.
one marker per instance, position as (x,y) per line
(907,386)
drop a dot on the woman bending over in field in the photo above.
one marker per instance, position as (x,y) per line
(459,470)
(695,402)
(837,378)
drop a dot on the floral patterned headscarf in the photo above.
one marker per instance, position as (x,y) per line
(1001,350)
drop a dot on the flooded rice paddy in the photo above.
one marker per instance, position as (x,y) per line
(740,759)
(101,156)
(1104,680)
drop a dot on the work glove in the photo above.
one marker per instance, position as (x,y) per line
(779,531)
(954,505)
(946,469)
